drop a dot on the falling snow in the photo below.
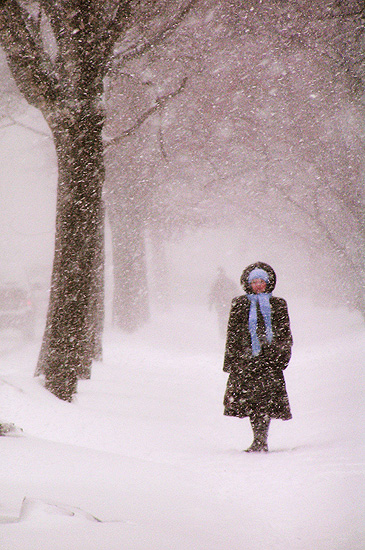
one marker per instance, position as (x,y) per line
(216,136)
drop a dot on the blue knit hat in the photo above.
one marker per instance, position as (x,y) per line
(258,274)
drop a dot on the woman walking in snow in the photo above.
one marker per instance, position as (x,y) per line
(258,349)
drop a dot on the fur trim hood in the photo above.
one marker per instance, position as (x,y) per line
(261,265)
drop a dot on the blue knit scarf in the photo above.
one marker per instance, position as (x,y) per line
(264,302)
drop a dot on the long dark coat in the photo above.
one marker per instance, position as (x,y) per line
(256,385)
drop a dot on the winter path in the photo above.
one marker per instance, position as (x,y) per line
(144,459)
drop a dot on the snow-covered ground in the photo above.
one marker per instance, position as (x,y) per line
(143,459)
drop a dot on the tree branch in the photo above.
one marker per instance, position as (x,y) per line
(115,28)
(14,122)
(159,104)
(140,49)
(28,62)
(326,233)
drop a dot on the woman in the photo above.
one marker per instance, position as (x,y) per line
(258,349)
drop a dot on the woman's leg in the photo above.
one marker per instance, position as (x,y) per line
(260,426)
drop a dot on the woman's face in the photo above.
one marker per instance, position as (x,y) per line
(258,286)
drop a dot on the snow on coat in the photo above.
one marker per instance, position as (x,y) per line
(256,385)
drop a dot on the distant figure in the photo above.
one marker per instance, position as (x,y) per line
(221,294)
(258,349)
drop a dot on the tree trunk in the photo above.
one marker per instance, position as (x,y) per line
(130,300)
(160,273)
(74,319)
(98,307)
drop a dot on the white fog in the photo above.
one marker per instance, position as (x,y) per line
(257,157)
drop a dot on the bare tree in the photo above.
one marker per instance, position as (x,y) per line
(59,52)
(66,84)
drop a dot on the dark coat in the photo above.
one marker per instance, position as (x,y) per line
(256,385)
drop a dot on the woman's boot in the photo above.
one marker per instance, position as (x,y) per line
(260,427)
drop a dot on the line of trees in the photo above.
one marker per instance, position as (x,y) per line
(194,108)
(269,127)
(59,52)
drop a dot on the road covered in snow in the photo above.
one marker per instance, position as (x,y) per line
(144,458)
